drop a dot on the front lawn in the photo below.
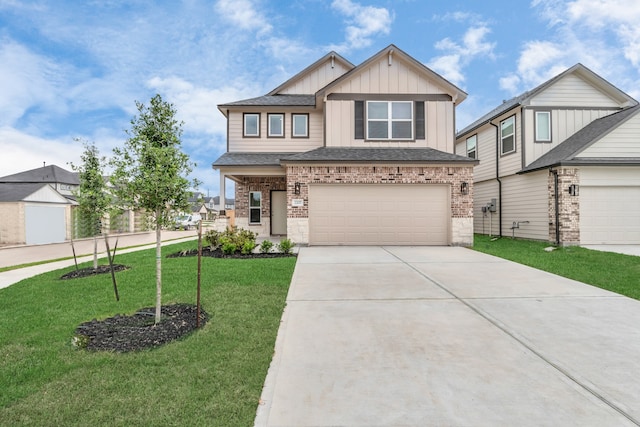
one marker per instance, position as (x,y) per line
(212,377)
(615,272)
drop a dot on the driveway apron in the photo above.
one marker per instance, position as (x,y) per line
(445,336)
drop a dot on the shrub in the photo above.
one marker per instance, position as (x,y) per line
(248,247)
(238,237)
(265,246)
(285,246)
(229,248)
(212,238)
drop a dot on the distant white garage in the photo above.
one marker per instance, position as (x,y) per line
(45,224)
(610,215)
(379,214)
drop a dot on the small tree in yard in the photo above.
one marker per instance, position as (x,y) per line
(149,172)
(92,197)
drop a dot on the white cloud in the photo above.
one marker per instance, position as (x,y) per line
(244,14)
(538,62)
(363,23)
(459,55)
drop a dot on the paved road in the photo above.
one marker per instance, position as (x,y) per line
(440,336)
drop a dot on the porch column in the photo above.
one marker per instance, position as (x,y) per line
(223,190)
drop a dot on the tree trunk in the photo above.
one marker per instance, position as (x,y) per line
(158,268)
(95,252)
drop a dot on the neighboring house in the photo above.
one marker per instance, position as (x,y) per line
(352,155)
(560,163)
(61,180)
(229,204)
(33,213)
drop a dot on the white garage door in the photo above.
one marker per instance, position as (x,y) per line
(45,224)
(609,215)
(370,214)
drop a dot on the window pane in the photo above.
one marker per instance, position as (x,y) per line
(378,130)
(254,199)
(507,144)
(471,147)
(401,110)
(251,124)
(254,215)
(299,125)
(275,125)
(401,130)
(507,127)
(377,110)
(543,126)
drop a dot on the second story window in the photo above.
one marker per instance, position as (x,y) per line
(543,126)
(472,147)
(300,125)
(389,120)
(276,125)
(251,126)
(508,135)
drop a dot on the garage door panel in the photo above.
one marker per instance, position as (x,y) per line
(379,214)
(609,215)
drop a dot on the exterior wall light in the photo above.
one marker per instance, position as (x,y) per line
(464,188)
(574,190)
(296,188)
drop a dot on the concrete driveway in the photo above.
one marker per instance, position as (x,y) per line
(445,336)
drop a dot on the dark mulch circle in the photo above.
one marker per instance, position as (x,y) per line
(138,332)
(217,253)
(90,271)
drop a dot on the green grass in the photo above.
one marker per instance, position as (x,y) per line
(615,272)
(212,377)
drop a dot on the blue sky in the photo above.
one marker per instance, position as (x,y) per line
(74,69)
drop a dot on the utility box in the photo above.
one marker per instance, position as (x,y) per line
(491,206)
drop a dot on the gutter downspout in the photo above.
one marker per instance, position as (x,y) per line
(498,178)
(557,204)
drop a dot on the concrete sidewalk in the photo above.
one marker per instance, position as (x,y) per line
(18,255)
(442,336)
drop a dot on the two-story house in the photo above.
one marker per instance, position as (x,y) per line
(352,155)
(560,162)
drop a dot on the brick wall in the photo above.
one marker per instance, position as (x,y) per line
(263,184)
(568,207)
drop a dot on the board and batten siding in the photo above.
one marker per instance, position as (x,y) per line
(237,143)
(439,118)
(564,123)
(380,77)
(623,141)
(572,91)
(317,79)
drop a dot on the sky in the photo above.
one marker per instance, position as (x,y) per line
(72,71)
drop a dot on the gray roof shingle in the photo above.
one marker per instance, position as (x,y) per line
(250,159)
(565,152)
(275,100)
(48,174)
(369,155)
(15,192)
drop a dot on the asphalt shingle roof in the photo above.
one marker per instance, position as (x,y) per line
(275,100)
(368,155)
(250,159)
(572,146)
(15,192)
(47,174)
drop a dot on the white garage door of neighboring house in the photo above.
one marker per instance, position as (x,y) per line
(45,224)
(373,214)
(609,215)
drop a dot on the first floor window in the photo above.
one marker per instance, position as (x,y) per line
(255,202)
(300,125)
(543,126)
(251,124)
(472,147)
(276,125)
(508,135)
(390,120)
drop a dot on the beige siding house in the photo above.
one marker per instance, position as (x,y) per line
(560,162)
(352,155)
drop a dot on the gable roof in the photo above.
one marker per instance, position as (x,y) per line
(457,94)
(525,98)
(48,174)
(331,55)
(566,152)
(19,191)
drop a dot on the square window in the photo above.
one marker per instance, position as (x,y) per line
(251,125)
(276,125)
(543,126)
(255,207)
(390,120)
(508,135)
(472,147)
(300,125)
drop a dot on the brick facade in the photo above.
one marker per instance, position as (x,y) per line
(568,207)
(264,184)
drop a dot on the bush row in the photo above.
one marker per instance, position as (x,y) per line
(234,240)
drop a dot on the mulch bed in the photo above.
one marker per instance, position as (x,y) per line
(90,271)
(217,253)
(123,333)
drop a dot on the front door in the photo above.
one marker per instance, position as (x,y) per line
(279,213)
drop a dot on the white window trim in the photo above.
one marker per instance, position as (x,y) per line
(537,137)
(270,134)
(293,127)
(259,208)
(244,125)
(390,121)
(475,147)
(502,137)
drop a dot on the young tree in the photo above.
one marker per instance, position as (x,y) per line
(150,171)
(92,197)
